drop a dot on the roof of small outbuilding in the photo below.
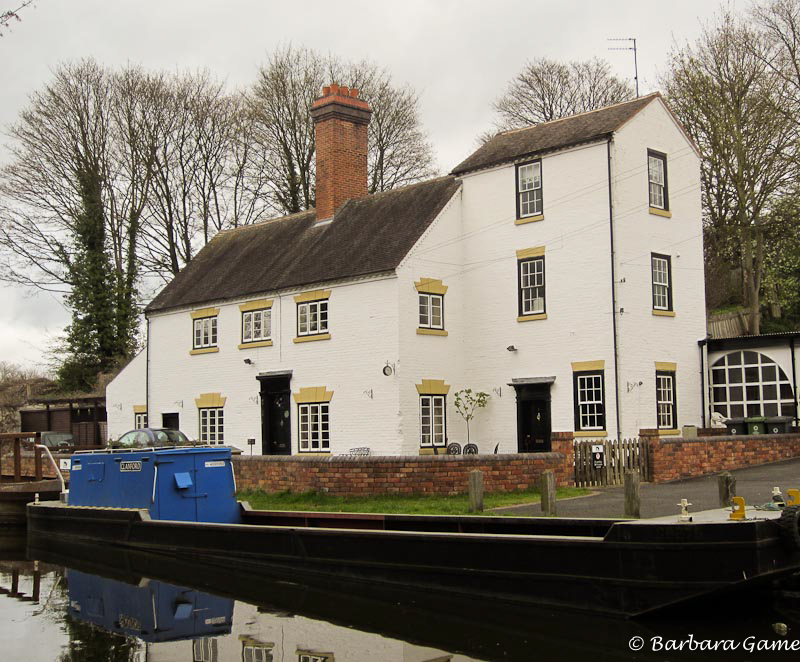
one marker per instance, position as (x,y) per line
(367,235)
(548,136)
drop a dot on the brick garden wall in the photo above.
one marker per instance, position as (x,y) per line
(425,474)
(676,458)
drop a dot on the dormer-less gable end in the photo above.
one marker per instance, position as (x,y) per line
(512,145)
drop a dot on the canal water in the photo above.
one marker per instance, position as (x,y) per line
(87,604)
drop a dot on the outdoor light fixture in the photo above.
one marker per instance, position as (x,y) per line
(388,369)
(511,348)
(248,361)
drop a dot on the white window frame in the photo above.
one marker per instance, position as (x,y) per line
(313,427)
(532,290)
(529,189)
(590,408)
(312,318)
(205,332)
(666,410)
(432,421)
(140,420)
(212,425)
(429,305)
(657,180)
(257,319)
(661,274)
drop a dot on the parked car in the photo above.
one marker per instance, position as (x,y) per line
(57,440)
(147,437)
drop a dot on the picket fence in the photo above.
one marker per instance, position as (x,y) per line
(618,455)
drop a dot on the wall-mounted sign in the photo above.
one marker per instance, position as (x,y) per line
(598,456)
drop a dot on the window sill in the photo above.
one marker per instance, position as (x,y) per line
(204,350)
(664,313)
(531,318)
(319,336)
(529,219)
(655,211)
(313,453)
(258,343)
(431,332)
(440,450)
(590,433)
(666,433)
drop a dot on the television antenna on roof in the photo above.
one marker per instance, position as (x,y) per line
(631,40)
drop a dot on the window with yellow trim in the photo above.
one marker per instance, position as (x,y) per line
(212,425)
(431,311)
(312,318)
(257,325)
(433,421)
(314,427)
(205,332)
(531,286)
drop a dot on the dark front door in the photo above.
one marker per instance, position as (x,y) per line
(533,418)
(170,421)
(276,429)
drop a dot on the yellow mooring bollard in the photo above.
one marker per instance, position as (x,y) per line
(737,511)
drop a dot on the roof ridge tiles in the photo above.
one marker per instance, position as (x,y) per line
(576,115)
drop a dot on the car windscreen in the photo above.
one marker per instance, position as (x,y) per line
(170,437)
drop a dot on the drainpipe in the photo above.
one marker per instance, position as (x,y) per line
(703,349)
(147,375)
(794,378)
(613,288)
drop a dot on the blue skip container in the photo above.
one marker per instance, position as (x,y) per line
(189,484)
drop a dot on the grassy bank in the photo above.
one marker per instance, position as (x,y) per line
(391,503)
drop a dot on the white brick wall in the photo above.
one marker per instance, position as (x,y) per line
(125,392)
(472,248)
(363,328)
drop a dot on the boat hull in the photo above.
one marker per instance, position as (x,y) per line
(621,568)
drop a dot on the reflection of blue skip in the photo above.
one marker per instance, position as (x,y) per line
(152,611)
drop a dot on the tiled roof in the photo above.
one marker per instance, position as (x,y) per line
(368,235)
(573,130)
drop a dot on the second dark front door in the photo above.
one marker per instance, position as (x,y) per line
(533,418)
(276,429)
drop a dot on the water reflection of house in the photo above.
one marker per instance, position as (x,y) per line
(83,416)
(267,637)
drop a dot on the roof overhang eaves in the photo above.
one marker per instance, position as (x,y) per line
(286,290)
(601,137)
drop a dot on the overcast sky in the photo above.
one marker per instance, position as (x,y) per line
(459,55)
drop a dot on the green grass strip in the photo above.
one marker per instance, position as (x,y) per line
(414,504)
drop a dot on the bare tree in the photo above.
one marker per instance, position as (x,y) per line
(280,100)
(730,101)
(547,90)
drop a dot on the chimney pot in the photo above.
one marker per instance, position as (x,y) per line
(354,93)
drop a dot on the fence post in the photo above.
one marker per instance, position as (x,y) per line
(548,490)
(727,488)
(17,460)
(632,500)
(37,463)
(476,491)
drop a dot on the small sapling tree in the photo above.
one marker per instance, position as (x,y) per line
(467,402)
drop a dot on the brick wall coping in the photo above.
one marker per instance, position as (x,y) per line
(500,458)
(729,438)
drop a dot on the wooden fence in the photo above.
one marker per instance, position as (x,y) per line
(593,469)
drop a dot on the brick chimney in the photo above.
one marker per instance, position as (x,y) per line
(340,123)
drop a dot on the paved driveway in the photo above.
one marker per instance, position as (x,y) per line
(754,484)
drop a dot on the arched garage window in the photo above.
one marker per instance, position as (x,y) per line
(750,384)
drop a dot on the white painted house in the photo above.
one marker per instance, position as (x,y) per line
(559,268)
